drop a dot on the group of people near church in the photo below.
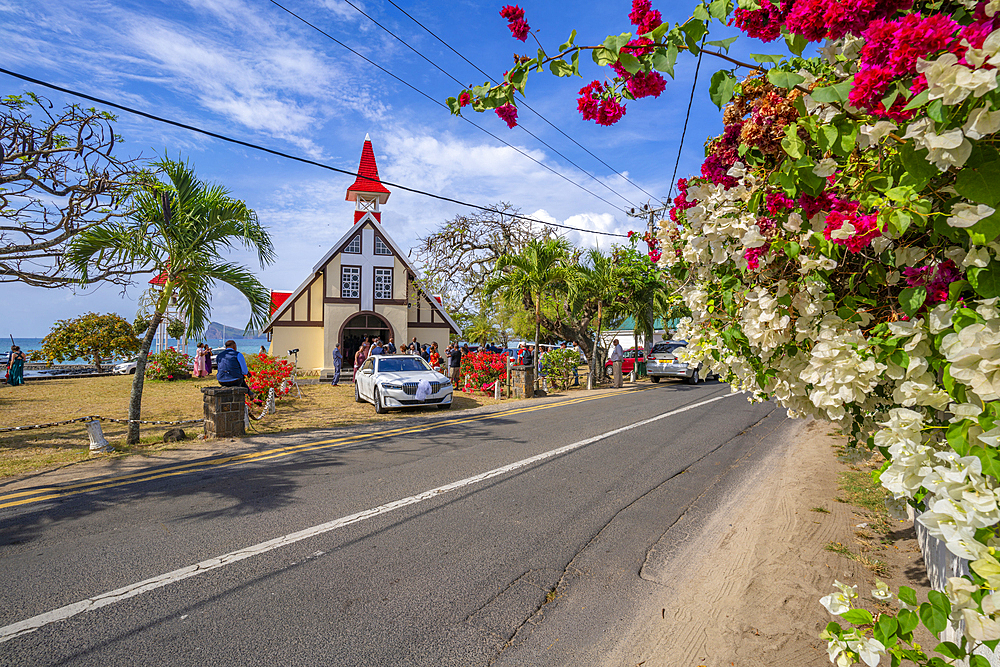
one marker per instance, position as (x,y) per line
(375,346)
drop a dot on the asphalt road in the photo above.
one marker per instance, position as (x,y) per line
(488,559)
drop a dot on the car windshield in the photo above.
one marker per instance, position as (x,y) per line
(666,348)
(402,365)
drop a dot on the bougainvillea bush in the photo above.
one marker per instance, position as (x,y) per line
(267,372)
(838,252)
(479,370)
(168,365)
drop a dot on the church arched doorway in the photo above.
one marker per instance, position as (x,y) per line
(357,328)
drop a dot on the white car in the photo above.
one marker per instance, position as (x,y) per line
(393,381)
(125,367)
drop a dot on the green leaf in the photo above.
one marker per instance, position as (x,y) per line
(719,9)
(783,79)
(986,280)
(933,619)
(912,298)
(949,650)
(958,438)
(575,64)
(453,105)
(916,165)
(693,31)
(796,43)
(767,58)
(562,68)
(908,621)
(663,60)
(722,87)
(569,42)
(918,101)
(885,630)
(833,94)
(792,249)
(980,184)
(701,12)
(611,44)
(629,62)
(660,31)
(604,56)
(978,661)
(935,111)
(792,143)
(826,136)
(857,616)
(723,43)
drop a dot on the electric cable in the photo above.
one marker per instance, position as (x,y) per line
(442,104)
(686,116)
(525,104)
(288,156)
(520,126)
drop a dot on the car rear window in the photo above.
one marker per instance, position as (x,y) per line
(665,348)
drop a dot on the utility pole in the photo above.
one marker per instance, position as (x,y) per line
(650,214)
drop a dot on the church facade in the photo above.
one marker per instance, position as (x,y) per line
(363,286)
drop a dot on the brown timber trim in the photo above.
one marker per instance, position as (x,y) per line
(337,299)
(390,302)
(433,325)
(296,324)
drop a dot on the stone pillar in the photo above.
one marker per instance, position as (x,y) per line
(224,410)
(522,380)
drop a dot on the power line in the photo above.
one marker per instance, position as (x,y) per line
(287,156)
(524,104)
(686,116)
(521,127)
(442,104)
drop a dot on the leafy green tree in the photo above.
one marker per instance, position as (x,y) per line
(175,329)
(140,324)
(599,280)
(529,276)
(98,337)
(179,227)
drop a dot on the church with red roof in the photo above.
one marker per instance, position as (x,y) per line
(363,286)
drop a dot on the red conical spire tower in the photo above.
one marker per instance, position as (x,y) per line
(367,192)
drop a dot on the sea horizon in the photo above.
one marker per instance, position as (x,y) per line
(245,345)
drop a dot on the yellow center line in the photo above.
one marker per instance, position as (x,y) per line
(48,493)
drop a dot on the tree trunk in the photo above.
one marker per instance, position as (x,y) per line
(597,341)
(135,402)
(97,360)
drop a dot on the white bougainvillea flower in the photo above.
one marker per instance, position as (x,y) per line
(991,9)
(918,129)
(897,508)
(825,167)
(964,214)
(974,354)
(839,653)
(978,257)
(871,135)
(845,232)
(981,122)
(978,627)
(881,591)
(822,263)
(947,150)
(869,649)
(939,318)
(839,602)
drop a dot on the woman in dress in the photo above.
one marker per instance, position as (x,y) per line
(435,359)
(15,366)
(360,357)
(199,362)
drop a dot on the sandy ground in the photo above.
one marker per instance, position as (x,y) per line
(745,589)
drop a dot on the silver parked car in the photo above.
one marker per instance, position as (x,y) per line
(393,381)
(125,367)
(663,363)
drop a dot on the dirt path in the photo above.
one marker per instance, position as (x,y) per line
(746,590)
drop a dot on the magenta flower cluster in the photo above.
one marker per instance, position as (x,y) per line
(597,103)
(515,21)
(935,278)
(508,114)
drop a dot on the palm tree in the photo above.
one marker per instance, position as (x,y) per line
(525,278)
(600,280)
(178,228)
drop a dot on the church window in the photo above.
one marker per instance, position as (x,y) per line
(354,246)
(383,283)
(350,282)
(381,248)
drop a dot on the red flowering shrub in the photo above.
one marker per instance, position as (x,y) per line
(168,365)
(479,370)
(268,372)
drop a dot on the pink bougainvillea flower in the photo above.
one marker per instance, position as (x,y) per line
(512,13)
(508,114)
(644,17)
(862,231)
(464,99)
(515,21)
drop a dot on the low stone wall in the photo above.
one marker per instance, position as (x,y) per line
(224,412)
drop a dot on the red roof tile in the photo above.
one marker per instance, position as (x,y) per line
(368,180)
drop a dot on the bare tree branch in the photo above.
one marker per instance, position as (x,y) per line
(58,177)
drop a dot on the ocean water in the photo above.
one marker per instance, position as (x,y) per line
(247,346)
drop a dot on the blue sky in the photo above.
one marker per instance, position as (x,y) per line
(247,69)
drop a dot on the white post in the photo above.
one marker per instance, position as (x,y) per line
(246,417)
(98,443)
(496,390)
(631,376)
(270,401)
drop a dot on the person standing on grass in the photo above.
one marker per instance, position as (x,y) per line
(617,355)
(338,362)
(15,366)
(232,368)
(359,358)
(454,364)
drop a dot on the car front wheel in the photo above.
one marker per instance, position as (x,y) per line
(378,402)
(694,379)
(654,378)
(357,393)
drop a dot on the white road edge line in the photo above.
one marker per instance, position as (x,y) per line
(62,613)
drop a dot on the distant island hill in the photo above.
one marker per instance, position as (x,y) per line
(219,331)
